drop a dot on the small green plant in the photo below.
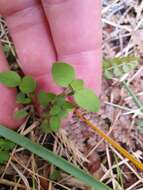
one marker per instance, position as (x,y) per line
(54,107)
(26,89)
(118,66)
(57,107)
(5,147)
(115,68)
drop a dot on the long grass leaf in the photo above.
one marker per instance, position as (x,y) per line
(52,158)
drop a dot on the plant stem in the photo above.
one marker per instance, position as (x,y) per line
(131,93)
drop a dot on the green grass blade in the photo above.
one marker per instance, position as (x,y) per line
(131,93)
(52,158)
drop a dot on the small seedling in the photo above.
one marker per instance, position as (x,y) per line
(54,107)
(26,89)
(5,147)
(118,66)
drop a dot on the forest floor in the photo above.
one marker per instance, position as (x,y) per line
(119,118)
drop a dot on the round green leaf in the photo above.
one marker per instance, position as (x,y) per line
(126,68)
(27,85)
(10,78)
(20,114)
(59,100)
(117,71)
(55,110)
(44,98)
(22,99)
(77,84)
(63,114)
(67,106)
(87,99)
(63,74)
(108,74)
(55,123)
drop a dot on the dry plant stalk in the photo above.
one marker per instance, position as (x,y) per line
(108,139)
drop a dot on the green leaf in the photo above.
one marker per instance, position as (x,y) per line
(132,65)
(51,157)
(10,78)
(108,74)
(46,127)
(22,99)
(55,175)
(20,114)
(87,99)
(126,68)
(6,144)
(55,123)
(106,63)
(59,100)
(27,85)
(63,114)
(44,98)
(117,71)
(68,106)
(63,74)
(4,156)
(55,110)
(77,84)
(119,65)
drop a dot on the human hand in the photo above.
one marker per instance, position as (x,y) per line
(47,31)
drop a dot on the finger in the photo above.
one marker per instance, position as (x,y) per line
(76,31)
(32,40)
(7,100)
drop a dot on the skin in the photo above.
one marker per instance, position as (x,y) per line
(46,31)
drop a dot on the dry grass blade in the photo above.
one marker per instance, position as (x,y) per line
(11,184)
(137,163)
(24,179)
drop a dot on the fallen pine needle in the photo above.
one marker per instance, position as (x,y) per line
(108,139)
